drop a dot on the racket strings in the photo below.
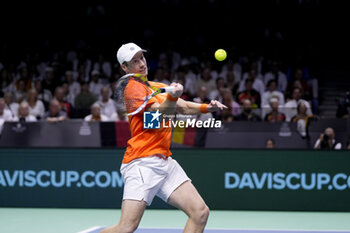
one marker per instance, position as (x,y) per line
(133,96)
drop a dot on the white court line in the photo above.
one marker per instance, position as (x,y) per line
(278,230)
(90,229)
(236,229)
(255,229)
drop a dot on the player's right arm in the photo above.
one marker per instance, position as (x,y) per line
(168,106)
(191,108)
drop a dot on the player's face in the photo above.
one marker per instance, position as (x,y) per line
(137,64)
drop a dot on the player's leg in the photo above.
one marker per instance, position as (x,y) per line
(131,215)
(187,198)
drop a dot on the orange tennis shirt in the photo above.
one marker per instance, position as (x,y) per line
(144,142)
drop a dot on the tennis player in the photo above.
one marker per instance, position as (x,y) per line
(147,168)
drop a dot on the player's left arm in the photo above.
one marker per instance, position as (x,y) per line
(189,108)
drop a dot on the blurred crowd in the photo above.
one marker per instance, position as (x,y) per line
(71,84)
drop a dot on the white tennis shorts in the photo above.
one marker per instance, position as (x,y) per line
(151,176)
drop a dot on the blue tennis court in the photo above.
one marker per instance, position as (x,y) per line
(165,230)
(66,220)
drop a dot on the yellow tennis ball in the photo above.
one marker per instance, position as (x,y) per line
(220,54)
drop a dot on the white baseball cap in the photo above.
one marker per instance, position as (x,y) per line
(127,51)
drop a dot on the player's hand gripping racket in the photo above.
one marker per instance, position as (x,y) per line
(142,92)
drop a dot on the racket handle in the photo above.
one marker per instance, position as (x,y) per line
(167,89)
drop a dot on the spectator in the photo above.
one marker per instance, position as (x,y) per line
(5,81)
(309,83)
(43,94)
(258,84)
(272,92)
(275,115)
(234,68)
(20,92)
(300,82)
(302,119)
(249,93)
(10,104)
(170,59)
(188,85)
(83,74)
(25,76)
(233,109)
(231,82)
(67,95)
(205,81)
(270,143)
(73,86)
(5,115)
(290,107)
(82,65)
(201,97)
(343,106)
(49,81)
(95,85)
(301,113)
(113,82)
(36,106)
(55,114)
(106,104)
(247,114)
(253,66)
(327,140)
(84,99)
(213,73)
(60,97)
(103,66)
(220,85)
(187,66)
(190,77)
(296,84)
(24,113)
(96,114)
(277,75)
(160,76)
(120,114)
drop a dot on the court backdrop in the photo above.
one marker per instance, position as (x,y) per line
(310,180)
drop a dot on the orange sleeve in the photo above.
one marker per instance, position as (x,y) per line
(158,85)
(135,94)
(158,98)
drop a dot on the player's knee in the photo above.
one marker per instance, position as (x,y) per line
(201,215)
(205,214)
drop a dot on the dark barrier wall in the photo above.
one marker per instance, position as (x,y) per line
(227,179)
(238,135)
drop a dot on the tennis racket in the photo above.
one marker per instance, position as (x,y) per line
(138,102)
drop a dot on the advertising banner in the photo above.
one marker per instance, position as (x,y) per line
(310,180)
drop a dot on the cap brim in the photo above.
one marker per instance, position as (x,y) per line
(133,55)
